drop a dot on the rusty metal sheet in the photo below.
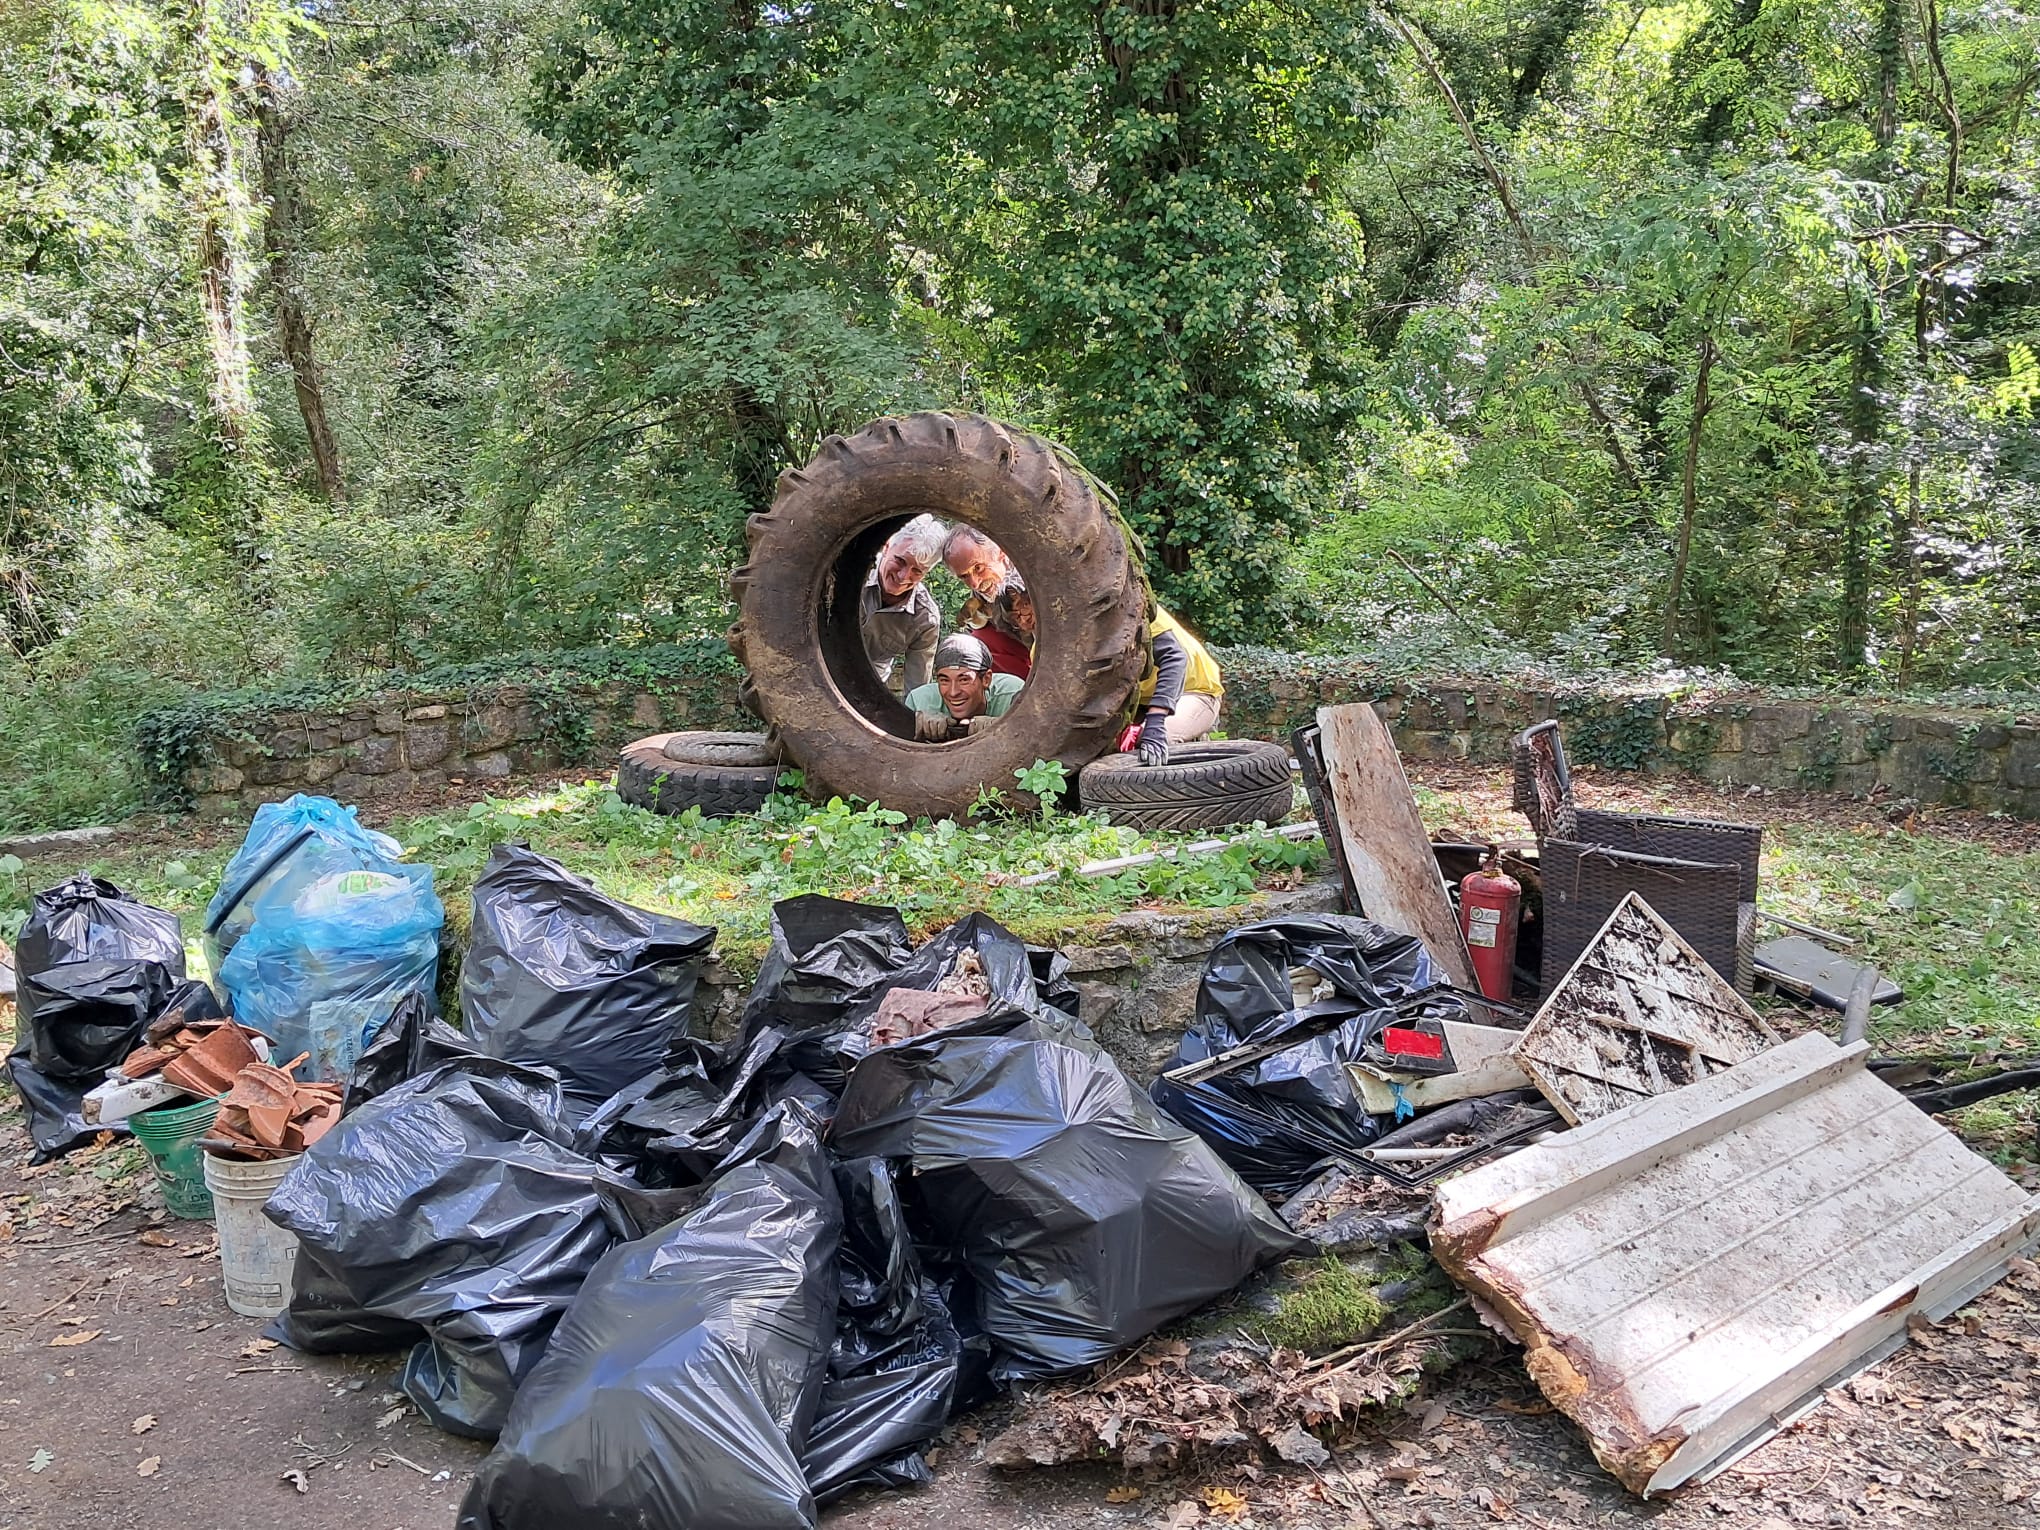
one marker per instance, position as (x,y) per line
(1638,1014)
(1688,1272)
(1393,870)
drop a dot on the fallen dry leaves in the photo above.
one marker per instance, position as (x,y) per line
(149,1467)
(1224,1502)
(1163,1406)
(82,1336)
(143,1424)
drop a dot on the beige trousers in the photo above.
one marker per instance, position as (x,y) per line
(1196,714)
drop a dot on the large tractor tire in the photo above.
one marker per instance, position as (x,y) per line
(1204,786)
(647,776)
(798,629)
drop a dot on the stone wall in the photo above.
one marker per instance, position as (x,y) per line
(1989,760)
(403,740)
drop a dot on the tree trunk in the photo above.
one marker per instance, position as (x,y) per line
(220,223)
(281,231)
(1689,494)
(1865,412)
(1915,574)
(1862,500)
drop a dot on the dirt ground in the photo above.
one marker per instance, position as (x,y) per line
(132,1399)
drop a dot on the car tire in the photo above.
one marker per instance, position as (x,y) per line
(712,748)
(798,632)
(1206,785)
(647,777)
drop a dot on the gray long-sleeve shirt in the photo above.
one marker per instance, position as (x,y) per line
(908,629)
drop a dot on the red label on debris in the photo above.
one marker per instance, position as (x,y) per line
(1397,1042)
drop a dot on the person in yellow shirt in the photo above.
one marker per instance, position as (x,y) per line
(1179,697)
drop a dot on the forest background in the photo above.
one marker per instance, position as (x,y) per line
(357,336)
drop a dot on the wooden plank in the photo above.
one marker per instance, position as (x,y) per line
(1809,1370)
(1695,1268)
(1632,1143)
(1389,855)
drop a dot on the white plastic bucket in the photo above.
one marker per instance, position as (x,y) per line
(256,1256)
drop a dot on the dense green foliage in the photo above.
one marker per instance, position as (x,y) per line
(380,335)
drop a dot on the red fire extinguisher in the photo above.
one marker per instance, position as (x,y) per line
(1490,904)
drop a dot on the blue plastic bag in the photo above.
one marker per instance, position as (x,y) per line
(323,974)
(289,846)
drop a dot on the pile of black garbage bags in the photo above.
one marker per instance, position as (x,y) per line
(756,1274)
(691,1284)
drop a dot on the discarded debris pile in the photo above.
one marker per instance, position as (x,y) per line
(202,1057)
(1295,1357)
(1171,1404)
(1286,1005)
(269,1114)
(787,1260)
(681,1282)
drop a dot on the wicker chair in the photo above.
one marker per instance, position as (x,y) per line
(1700,874)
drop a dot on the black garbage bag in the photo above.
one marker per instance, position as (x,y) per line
(978,951)
(1052,980)
(323,1318)
(855,959)
(827,955)
(1278,1121)
(679,1391)
(558,976)
(454,1201)
(94,966)
(53,1108)
(412,1041)
(672,1100)
(1085,1217)
(898,1367)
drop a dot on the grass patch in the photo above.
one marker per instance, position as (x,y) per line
(1330,1306)
(728,872)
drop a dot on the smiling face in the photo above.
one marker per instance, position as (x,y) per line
(963,689)
(981,565)
(899,570)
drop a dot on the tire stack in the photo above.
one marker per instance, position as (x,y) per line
(799,637)
(724,774)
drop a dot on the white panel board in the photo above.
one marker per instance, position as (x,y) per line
(1690,1266)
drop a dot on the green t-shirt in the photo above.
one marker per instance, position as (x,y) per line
(998,696)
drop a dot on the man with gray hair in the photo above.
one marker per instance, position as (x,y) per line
(995,584)
(901,621)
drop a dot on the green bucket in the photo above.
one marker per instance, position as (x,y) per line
(171,1134)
